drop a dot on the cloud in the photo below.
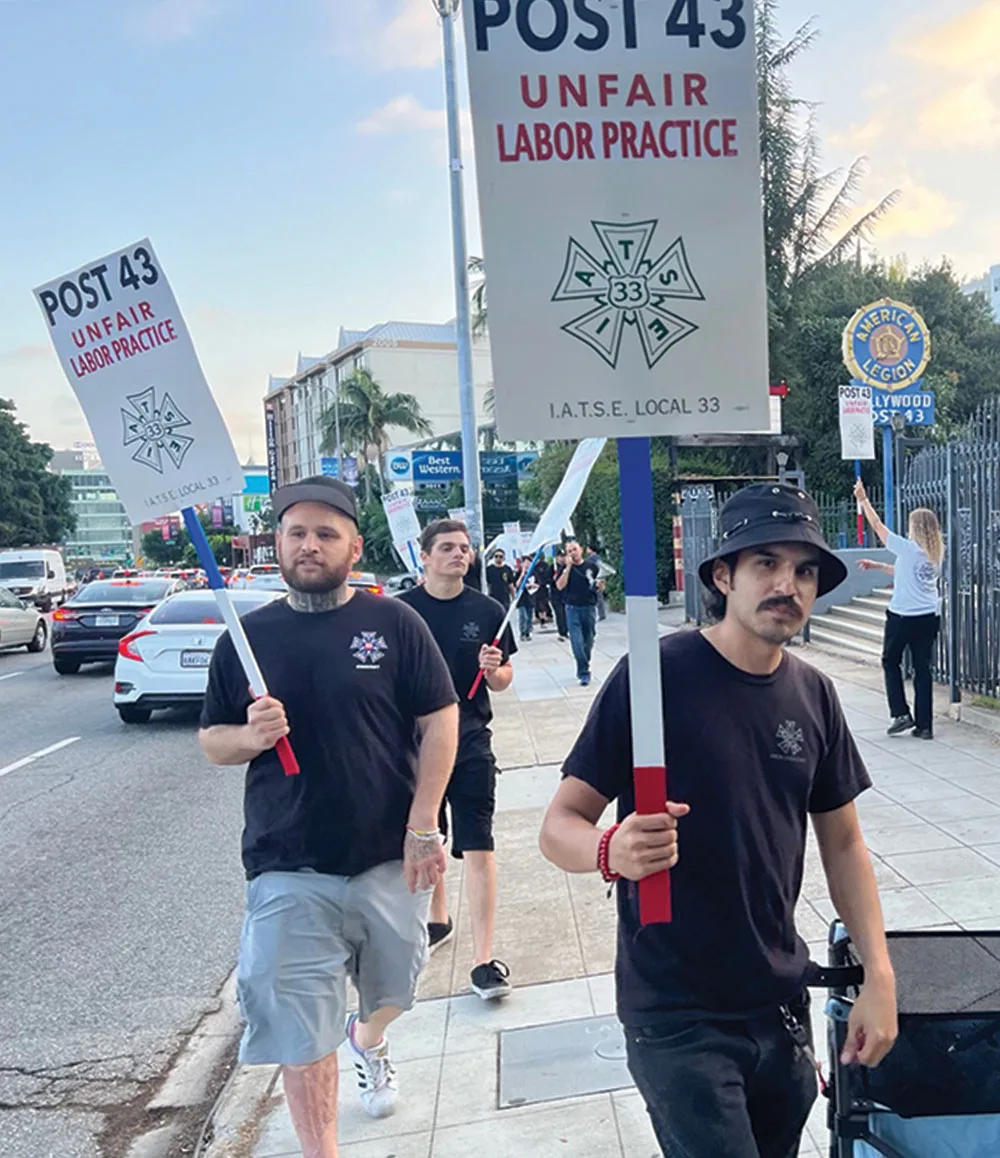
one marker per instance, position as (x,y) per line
(966,43)
(965,116)
(921,212)
(390,34)
(167,21)
(28,353)
(404,114)
(861,137)
(399,196)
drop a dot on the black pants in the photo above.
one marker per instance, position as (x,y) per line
(724,1089)
(560,609)
(918,633)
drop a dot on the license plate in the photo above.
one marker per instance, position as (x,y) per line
(106,621)
(196,658)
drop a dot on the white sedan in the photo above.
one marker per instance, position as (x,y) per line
(164,662)
(21,623)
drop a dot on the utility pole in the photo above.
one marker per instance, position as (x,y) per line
(448,11)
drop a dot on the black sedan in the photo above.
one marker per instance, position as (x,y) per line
(87,628)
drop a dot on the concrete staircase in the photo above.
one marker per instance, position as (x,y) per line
(854,628)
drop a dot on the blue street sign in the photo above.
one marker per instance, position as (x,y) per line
(329,467)
(915,405)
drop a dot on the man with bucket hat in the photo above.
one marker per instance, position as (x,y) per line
(714,1004)
(341,859)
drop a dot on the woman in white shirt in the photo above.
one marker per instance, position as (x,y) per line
(914,616)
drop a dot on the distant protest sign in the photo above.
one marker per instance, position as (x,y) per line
(129,358)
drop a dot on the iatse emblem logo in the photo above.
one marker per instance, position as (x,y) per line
(470,632)
(791,740)
(368,648)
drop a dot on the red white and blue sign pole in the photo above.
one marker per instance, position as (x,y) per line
(251,669)
(645,693)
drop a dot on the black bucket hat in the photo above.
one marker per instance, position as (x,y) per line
(318,488)
(765,513)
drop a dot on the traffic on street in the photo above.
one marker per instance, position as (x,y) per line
(120,901)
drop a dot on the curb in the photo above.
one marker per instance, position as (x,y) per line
(240,1112)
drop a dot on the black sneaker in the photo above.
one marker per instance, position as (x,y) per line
(900,724)
(439,934)
(490,980)
(922,734)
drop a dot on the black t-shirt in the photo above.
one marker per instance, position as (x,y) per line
(752,755)
(498,580)
(461,626)
(353,682)
(581,590)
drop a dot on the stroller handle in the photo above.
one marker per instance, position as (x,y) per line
(834,976)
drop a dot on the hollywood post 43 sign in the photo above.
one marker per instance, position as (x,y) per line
(887,345)
(619,184)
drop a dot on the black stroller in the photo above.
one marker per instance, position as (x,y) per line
(937,1094)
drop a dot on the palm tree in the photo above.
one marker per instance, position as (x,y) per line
(479,310)
(366,414)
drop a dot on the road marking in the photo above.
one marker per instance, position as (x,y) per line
(38,755)
(10,675)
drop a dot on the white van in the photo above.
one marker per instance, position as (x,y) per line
(37,576)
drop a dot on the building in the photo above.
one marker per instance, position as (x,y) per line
(989,287)
(103,531)
(404,357)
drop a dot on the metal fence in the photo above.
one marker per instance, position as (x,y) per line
(960,482)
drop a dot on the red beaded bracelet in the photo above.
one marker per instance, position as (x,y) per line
(603,867)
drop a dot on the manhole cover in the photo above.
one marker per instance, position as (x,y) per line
(566,1059)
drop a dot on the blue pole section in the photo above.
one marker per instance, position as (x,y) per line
(649,771)
(887,478)
(255,678)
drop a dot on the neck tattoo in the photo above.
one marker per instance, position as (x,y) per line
(315,601)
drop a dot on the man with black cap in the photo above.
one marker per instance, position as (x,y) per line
(714,1004)
(342,858)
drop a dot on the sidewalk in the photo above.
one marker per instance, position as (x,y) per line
(932,824)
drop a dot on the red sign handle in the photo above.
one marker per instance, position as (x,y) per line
(287,757)
(654,892)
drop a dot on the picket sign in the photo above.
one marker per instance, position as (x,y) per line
(128,356)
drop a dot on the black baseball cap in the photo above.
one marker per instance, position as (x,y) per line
(316,489)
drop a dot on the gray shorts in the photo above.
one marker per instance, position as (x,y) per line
(304,934)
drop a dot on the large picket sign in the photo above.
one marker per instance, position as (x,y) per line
(618,169)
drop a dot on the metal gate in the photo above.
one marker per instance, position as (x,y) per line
(699,522)
(961,483)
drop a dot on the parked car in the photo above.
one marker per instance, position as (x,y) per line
(367,581)
(21,624)
(401,582)
(88,627)
(164,662)
(37,574)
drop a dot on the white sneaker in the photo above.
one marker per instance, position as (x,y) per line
(376,1076)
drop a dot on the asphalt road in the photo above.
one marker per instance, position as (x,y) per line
(120,903)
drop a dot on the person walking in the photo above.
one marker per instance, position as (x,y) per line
(341,859)
(464,623)
(714,1004)
(913,618)
(500,580)
(543,597)
(557,596)
(526,600)
(578,583)
(602,573)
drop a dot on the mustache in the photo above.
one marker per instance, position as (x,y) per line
(781,602)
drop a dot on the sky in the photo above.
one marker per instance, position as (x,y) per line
(288,160)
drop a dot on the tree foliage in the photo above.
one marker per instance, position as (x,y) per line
(34,503)
(366,414)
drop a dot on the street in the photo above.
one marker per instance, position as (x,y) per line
(120,904)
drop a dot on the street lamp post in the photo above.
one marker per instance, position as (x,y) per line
(448,10)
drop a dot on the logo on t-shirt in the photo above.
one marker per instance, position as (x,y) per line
(368,648)
(791,739)
(927,574)
(471,632)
